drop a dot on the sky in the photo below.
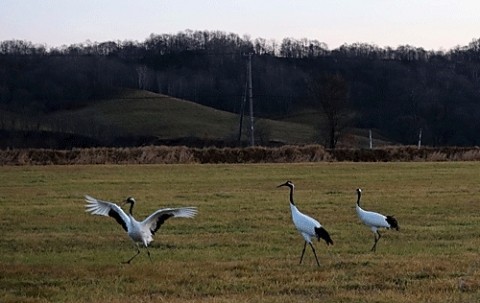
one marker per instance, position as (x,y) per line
(430,24)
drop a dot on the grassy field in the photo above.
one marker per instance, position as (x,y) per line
(242,246)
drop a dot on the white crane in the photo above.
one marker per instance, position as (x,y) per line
(139,232)
(307,226)
(375,220)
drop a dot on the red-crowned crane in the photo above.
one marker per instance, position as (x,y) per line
(139,232)
(307,226)
(375,220)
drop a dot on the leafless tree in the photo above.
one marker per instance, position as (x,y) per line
(330,93)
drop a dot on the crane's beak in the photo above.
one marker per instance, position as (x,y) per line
(284,184)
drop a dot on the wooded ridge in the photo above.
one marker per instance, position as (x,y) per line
(395,91)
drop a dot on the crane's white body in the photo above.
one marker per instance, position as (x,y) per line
(140,232)
(374,220)
(307,226)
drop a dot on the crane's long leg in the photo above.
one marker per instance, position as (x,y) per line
(303,252)
(130,260)
(374,247)
(148,252)
(315,254)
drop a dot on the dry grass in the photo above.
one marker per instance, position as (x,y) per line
(242,246)
(185,155)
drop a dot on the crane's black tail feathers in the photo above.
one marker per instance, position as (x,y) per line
(322,233)
(392,222)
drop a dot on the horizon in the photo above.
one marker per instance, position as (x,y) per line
(277,41)
(428,24)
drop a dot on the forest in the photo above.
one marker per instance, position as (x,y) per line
(397,92)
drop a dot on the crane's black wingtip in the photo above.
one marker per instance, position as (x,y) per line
(392,222)
(322,233)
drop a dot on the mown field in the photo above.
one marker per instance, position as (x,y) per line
(242,246)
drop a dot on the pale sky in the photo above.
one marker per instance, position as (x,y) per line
(431,24)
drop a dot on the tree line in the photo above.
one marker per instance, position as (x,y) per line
(395,91)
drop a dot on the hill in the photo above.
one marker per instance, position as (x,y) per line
(136,117)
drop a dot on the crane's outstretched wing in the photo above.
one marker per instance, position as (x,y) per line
(155,220)
(104,208)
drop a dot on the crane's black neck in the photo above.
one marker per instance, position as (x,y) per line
(130,200)
(291,194)
(131,208)
(359,193)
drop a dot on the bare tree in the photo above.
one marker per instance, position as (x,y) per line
(142,76)
(330,93)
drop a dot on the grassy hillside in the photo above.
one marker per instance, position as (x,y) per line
(140,113)
(136,117)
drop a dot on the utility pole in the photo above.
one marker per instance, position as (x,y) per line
(420,139)
(370,138)
(250,98)
(242,112)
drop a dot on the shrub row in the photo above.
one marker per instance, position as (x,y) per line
(181,154)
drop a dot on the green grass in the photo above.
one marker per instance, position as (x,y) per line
(149,114)
(242,246)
